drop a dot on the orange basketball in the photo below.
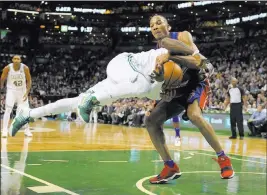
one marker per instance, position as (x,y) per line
(172,73)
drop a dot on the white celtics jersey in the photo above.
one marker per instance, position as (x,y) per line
(145,61)
(16,80)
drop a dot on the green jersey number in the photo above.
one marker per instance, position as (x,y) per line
(17,83)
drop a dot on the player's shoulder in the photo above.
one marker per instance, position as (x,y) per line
(9,65)
(6,68)
(184,33)
(25,67)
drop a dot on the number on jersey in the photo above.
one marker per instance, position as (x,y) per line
(17,83)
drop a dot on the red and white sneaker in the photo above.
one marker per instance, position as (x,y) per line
(166,175)
(227,171)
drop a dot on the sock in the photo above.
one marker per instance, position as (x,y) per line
(58,107)
(177,131)
(219,154)
(27,128)
(169,163)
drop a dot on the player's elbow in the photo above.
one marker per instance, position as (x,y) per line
(165,42)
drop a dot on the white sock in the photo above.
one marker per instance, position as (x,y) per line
(6,119)
(58,107)
(27,128)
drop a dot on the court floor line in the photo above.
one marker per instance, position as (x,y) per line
(232,158)
(191,152)
(93,150)
(114,161)
(243,155)
(139,183)
(39,180)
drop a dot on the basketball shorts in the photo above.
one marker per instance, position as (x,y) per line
(201,94)
(15,97)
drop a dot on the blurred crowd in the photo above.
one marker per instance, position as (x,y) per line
(246,61)
(66,72)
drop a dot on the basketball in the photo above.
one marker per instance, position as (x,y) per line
(172,73)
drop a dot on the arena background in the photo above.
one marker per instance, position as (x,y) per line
(67,46)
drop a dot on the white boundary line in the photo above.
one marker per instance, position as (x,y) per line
(139,184)
(191,152)
(39,180)
(233,158)
(109,161)
(186,158)
(231,153)
(93,150)
(55,160)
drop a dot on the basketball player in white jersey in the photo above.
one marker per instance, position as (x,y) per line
(18,87)
(128,75)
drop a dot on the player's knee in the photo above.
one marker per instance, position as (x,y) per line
(153,122)
(194,116)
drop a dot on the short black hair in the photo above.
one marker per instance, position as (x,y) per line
(15,56)
(159,16)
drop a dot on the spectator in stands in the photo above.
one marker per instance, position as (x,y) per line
(2,105)
(106,113)
(256,120)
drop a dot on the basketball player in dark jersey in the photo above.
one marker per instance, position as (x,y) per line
(190,95)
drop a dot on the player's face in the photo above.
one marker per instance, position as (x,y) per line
(234,82)
(16,60)
(159,27)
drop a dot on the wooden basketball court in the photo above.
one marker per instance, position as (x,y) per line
(96,159)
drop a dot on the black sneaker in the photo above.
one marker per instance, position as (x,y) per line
(232,137)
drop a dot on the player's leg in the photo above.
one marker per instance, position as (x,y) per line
(95,116)
(23,104)
(24,113)
(233,123)
(154,123)
(91,117)
(176,126)
(197,102)
(10,101)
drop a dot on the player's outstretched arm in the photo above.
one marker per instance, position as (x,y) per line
(175,46)
(188,61)
(194,60)
(184,44)
(4,76)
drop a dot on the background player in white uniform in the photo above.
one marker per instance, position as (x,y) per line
(128,75)
(18,87)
